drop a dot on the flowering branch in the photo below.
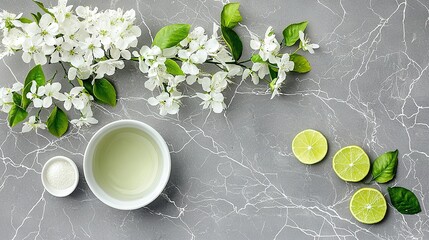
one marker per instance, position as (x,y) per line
(91,44)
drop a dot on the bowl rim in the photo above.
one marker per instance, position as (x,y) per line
(59,192)
(164,175)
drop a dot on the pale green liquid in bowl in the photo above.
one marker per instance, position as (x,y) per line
(126,163)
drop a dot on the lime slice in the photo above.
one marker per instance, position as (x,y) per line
(368,205)
(309,146)
(351,164)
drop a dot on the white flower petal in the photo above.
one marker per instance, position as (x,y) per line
(217,107)
(38,103)
(67,105)
(47,102)
(152,101)
(255,44)
(26,128)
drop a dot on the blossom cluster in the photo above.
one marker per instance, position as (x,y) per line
(43,97)
(268,49)
(197,48)
(92,44)
(91,41)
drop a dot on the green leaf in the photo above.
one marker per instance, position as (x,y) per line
(36,17)
(256,58)
(171,35)
(384,167)
(17,98)
(25,20)
(273,72)
(41,6)
(37,75)
(301,63)
(57,123)
(88,86)
(233,41)
(230,15)
(16,115)
(291,32)
(173,68)
(404,200)
(104,91)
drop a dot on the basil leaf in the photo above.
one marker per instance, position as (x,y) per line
(104,91)
(171,35)
(256,58)
(35,74)
(58,122)
(173,68)
(230,15)
(384,167)
(301,63)
(25,20)
(16,115)
(404,200)
(233,41)
(41,6)
(291,32)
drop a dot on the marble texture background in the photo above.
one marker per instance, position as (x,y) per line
(233,174)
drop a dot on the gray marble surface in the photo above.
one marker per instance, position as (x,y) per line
(233,174)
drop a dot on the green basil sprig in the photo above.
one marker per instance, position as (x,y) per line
(384,167)
(404,200)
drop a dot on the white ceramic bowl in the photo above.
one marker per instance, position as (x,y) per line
(161,178)
(52,189)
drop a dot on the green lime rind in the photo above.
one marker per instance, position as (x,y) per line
(368,206)
(310,146)
(351,164)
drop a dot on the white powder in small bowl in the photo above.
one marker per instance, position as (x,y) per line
(60,174)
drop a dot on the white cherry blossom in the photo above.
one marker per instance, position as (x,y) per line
(33,124)
(9,20)
(34,48)
(248,72)
(6,100)
(73,99)
(52,91)
(62,12)
(261,69)
(86,119)
(268,47)
(305,43)
(168,104)
(35,95)
(214,100)
(285,65)
(107,67)
(92,49)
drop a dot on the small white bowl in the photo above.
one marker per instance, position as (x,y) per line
(162,174)
(53,190)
